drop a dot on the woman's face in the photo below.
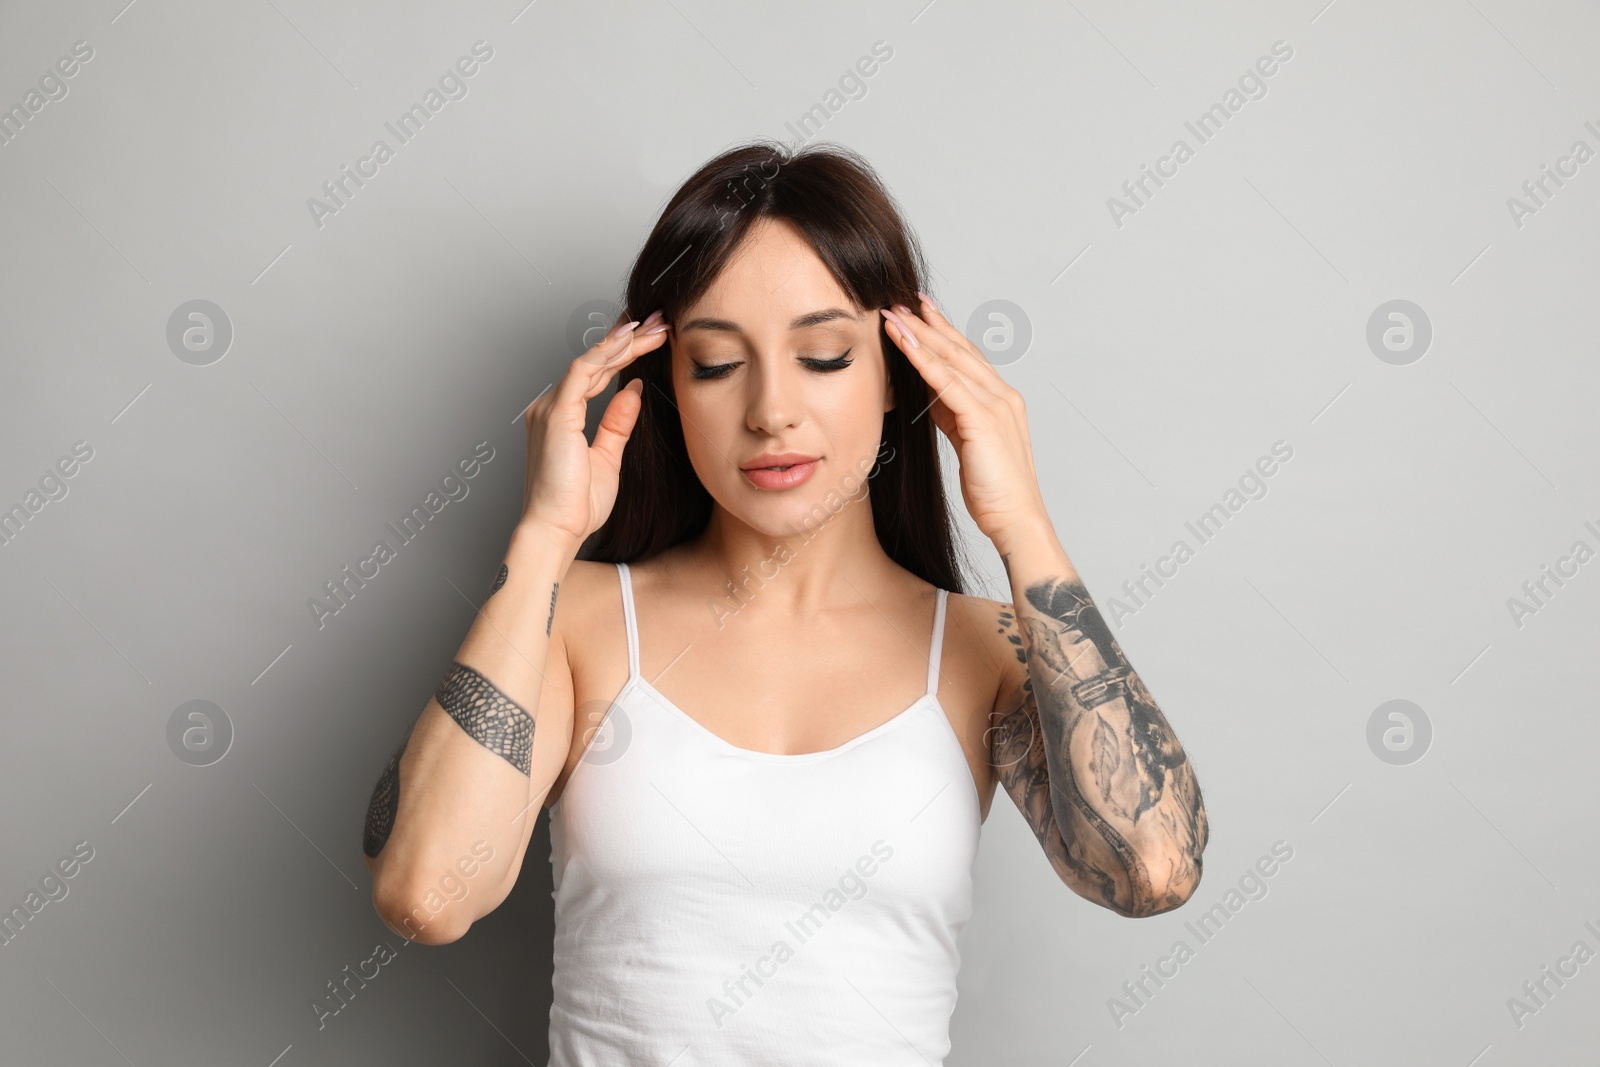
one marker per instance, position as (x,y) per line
(757,368)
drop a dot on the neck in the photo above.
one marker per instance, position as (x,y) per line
(833,558)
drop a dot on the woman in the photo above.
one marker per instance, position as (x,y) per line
(769,723)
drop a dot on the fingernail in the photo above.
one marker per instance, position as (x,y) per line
(661,328)
(620,330)
(652,318)
(905,333)
(930,301)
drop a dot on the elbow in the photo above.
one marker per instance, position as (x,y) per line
(1166,898)
(1160,895)
(404,912)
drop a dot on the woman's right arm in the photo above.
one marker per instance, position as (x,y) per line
(452,813)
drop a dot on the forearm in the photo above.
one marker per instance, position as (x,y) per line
(1122,790)
(468,782)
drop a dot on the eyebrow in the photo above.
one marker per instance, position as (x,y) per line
(810,318)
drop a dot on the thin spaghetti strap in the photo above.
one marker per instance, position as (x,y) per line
(938,643)
(628,616)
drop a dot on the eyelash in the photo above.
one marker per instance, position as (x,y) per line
(719,370)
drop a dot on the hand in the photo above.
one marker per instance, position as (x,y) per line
(570,486)
(982,415)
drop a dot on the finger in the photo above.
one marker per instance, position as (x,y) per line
(589,374)
(941,373)
(629,347)
(940,347)
(972,358)
(935,317)
(625,343)
(565,404)
(954,345)
(944,420)
(616,425)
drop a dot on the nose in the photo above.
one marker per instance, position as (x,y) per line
(773,404)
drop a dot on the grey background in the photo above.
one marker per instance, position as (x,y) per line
(1167,355)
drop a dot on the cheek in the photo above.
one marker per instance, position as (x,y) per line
(850,420)
(708,403)
(711,428)
(859,403)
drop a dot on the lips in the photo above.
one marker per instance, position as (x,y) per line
(777,460)
(779,470)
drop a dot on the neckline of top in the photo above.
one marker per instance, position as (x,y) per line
(636,679)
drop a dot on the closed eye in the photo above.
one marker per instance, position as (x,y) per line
(839,362)
(705,372)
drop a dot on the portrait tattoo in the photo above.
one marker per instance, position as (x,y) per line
(383,806)
(500,579)
(489,717)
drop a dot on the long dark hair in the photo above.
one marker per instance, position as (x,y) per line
(833,197)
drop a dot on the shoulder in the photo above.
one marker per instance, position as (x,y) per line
(588,599)
(983,617)
(989,627)
(588,585)
(585,575)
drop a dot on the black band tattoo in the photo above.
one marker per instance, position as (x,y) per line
(383,806)
(552,616)
(489,717)
(500,579)
(1137,770)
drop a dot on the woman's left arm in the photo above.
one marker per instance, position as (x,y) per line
(1079,743)
(1124,823)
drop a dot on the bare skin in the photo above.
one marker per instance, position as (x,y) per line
(775,358)
(875,649)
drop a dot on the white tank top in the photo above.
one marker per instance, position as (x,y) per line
(719,905)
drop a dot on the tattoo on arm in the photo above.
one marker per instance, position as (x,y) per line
(1018,751)
(1139,777)
(501,580)
(381,810)
(489,717)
